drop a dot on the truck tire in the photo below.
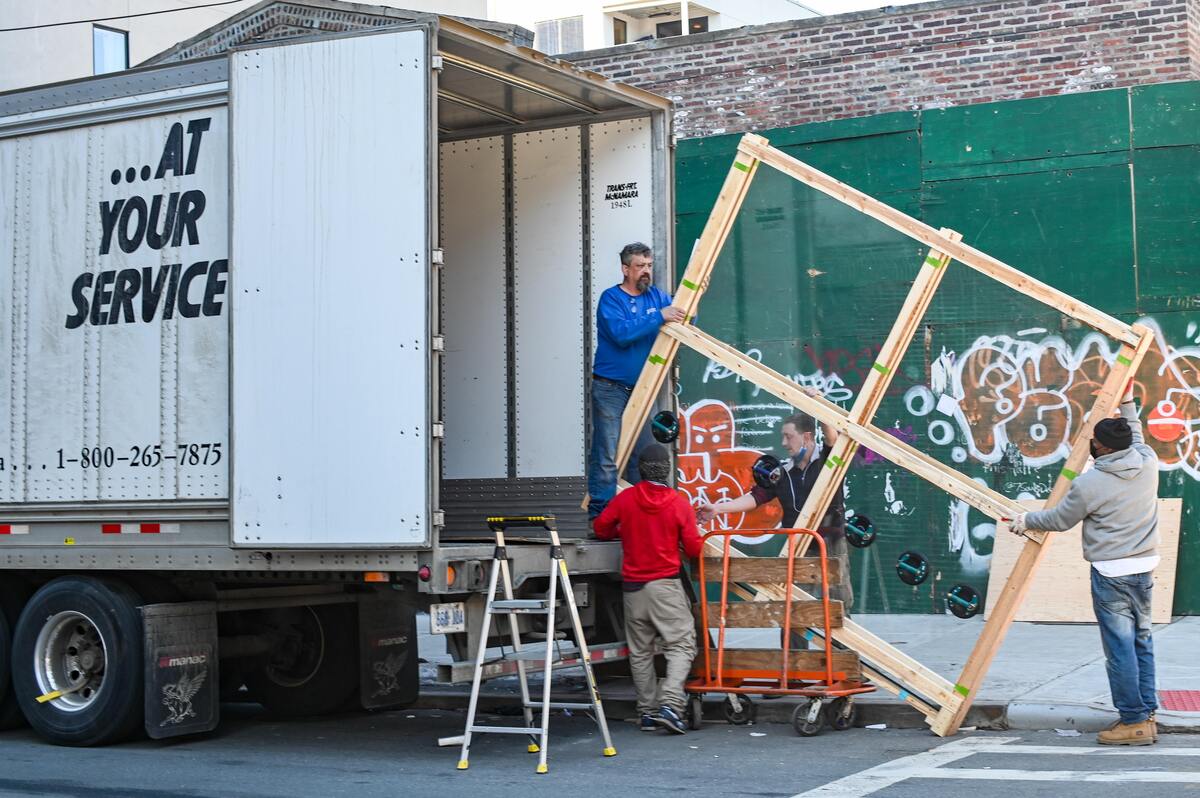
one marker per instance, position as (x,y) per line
(83,636)
(12,599)
(314,669)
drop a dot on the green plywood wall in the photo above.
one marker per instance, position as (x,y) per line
(1097,194)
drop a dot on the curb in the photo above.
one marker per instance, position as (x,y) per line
(1086,717)
(895,714)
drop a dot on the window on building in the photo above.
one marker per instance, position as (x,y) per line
(110,50)
(673,28)
(556,36)
(620,31)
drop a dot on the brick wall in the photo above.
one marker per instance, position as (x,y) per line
(932,55)
(1193,12)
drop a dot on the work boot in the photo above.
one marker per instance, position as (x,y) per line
(1128,734)
(1153,726)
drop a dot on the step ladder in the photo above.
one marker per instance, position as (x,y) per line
(539,736)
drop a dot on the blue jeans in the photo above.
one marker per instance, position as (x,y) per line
(608,405)
(1122,605)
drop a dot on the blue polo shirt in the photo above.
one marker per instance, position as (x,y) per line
(625,330)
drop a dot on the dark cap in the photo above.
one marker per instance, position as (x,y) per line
(1113,433)
(654,453)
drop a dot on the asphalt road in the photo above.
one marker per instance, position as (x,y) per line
(395,753)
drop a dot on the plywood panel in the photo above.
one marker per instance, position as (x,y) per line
(1061,590)
(769,614)
(764,662)
(807,570)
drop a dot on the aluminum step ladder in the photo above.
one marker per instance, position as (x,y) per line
(539,736)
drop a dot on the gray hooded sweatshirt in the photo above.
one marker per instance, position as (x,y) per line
(1116,500)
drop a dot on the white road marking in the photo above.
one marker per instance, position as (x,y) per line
(874,779)
(1125,750)
(930,765)
(997,774)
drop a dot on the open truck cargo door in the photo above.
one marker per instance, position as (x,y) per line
(330,150)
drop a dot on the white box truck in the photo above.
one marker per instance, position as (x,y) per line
(280,329)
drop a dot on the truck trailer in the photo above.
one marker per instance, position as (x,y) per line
(282,327)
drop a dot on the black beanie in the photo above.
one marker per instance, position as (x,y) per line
(1113,433)
(654,463)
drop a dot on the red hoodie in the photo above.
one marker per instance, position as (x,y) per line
(651,520)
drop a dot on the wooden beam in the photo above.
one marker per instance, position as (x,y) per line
(691,288)
(877,678)
(874,388)
(1019,581)
(980,261)
(769,614)
(984,499)
(807,570)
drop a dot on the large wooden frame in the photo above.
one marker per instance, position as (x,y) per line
(943,703)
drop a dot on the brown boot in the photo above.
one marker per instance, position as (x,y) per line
(1128,734)
(1153,726)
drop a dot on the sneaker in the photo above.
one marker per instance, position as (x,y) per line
(670,720)
(647,723)
(1128,734)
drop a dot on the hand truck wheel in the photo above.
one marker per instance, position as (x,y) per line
(695,711)
(742,712)
(808,719)
(842,713)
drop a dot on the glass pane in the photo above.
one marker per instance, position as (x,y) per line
(620,31)
(110,50)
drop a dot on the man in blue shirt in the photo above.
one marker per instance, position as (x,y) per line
(627,322)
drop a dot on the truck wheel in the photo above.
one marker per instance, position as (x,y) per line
(81,637)
(313,669)
(12,598)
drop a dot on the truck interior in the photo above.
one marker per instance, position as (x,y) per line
(545,172)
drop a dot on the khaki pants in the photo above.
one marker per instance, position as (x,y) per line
(660,611)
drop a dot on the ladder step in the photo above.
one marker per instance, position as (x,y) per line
(558,705)
(520,604)
(505,730)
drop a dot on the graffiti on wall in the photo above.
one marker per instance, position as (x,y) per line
(1010,403)
(1029,393)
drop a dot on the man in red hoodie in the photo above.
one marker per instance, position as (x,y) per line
(653,521)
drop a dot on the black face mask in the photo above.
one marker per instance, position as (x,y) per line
(1092,446)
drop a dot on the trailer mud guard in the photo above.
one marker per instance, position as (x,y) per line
(181,686)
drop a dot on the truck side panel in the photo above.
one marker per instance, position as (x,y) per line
(114,301)
(331,297)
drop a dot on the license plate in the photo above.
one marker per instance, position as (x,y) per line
(446,618)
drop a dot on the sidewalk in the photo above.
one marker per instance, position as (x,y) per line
(1046,676)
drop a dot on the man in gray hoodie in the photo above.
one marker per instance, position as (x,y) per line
(1117,503)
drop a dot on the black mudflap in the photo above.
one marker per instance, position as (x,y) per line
(181,668)
(390,673)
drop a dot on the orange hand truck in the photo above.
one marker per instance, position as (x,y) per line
(821,676)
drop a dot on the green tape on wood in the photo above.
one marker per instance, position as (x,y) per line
(962,689)
(688,284)
(833,458)
(740,165)
(882,369)
(657,360)
(1124,361)
(934,261)
(1069,474)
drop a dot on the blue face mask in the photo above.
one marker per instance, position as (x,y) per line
(798,456)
